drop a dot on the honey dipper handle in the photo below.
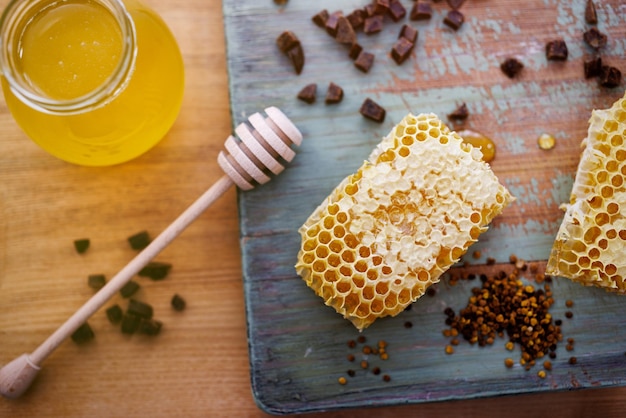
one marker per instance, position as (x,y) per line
(16,376)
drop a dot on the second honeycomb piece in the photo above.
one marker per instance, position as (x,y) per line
(589,246)
(388,232)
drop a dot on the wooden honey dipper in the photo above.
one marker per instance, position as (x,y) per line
(247,162)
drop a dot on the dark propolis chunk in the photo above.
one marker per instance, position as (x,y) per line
(421,10)
(594,38)
(308,93)
(610,77)
(590,13)
(511,67)
(355,50)
(356,18)
(364,61)
(455,4)
(401,50)
(556,50)
(320,18)
(289,44)
(286,41)
(345,33)
(334,94)
(396,10)
(454,19)
(372,110)
(593,67)
(409,33)
(373,24)
(296,56)
(460,113)
(332,21)
(381,6)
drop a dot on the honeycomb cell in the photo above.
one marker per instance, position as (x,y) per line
(343,287)
(591,239)
(390,230)
(359,281)
(339,231)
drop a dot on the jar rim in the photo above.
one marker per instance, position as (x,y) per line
(111,87)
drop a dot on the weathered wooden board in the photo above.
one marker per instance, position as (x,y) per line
(297,345)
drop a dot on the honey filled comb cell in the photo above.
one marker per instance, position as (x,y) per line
(589,246)
(390,230)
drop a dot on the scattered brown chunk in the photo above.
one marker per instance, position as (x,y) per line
(455,4)
(556,50)
(401,50)
(356,18)
(409,33)
(610,77)
(286,41)
(332,22)
(320,18)
(334,94)
(421,10)
(593,67)
(373,24)
(396,10)
(364,61)
(289,44)
(308,93)
(454,19)
(591,16)
(345,33)
(296,55)
(381,6)
(372,110)
(511,67)
(370,10)
(355,50)
(594,38)
(460,113)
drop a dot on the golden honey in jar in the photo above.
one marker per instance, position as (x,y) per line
(93,82)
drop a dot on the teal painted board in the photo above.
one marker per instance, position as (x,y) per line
(297,345)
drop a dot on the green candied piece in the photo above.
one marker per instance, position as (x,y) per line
(83,334)
(81,245)
(178,303)
(115,314)
(140,240)
(129,289)
(140,309)
(150,327)
(96,281)
(156,270)
(130,323)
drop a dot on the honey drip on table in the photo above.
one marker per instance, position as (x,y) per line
(478,140)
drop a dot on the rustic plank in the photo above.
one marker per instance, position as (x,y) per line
(297,345)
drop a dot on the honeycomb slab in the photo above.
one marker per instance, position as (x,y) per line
(590,245)
(389,231)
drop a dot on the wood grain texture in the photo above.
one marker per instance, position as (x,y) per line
(298,346)
(198,366)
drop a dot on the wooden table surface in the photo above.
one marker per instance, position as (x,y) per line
(198,365)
